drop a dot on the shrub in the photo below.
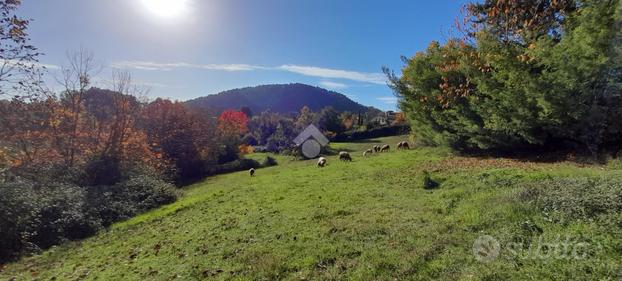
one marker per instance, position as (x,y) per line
(104,170)
(233,166)
(269,161)
(128,198)
(39,213)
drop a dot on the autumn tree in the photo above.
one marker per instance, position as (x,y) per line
(114,140)
(232,122)
(539,73)
(182,136)
(329,120)
(26,134)
(68,129)
(21,130)
(519,21)
(20,73)
(231,126)
(347,120)
(305,118)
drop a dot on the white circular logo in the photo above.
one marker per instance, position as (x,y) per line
(311,148)
(486,248)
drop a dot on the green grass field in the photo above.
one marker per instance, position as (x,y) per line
(370,219)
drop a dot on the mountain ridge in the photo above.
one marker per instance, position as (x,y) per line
(279,98)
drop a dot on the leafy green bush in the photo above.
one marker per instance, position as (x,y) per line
(128,198)
(103,170)
(39,213)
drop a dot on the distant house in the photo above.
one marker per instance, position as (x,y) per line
(380,119)
(385,118)
(390,115)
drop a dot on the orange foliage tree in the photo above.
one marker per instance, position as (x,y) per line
(232,122)
(231,126)
(180,135)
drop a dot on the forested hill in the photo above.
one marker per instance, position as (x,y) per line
(278,98)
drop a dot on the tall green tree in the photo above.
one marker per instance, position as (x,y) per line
(539,73)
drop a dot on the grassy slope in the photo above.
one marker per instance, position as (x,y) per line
(369,219)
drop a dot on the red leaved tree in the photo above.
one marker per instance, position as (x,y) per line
(231,126)
(232,122)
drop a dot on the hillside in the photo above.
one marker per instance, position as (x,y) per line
(279,98)
(365,220)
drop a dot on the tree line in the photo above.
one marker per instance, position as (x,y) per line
(522,75)
(275,132)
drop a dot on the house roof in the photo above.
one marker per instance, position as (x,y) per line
(311,131)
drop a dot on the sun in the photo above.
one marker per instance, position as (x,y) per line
(166,9)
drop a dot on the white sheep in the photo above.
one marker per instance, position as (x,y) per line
(251,172)
(367,152)
(321,162)
(385,148)
(344,156)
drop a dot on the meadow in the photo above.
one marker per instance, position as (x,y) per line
(369,219)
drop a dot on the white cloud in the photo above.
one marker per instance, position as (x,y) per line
(147,65)
(333,85)
(388,100)
(313,71)
(375,78)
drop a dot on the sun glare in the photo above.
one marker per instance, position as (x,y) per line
(166,9)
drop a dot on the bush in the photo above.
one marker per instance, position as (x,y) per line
(104,170)
(128,198)
(233,166)
(269,161)
(373,133)
(39,213)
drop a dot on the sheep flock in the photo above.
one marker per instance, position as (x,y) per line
(375,149)
(346,157)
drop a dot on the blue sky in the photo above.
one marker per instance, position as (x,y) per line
(200,47)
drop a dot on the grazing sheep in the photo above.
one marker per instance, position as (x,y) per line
(344,156)
(367,152)
(376,148)
(321,162)
(251,172)
(385,148)
(403,145)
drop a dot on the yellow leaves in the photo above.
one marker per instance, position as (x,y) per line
(246,149)
(451,92)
